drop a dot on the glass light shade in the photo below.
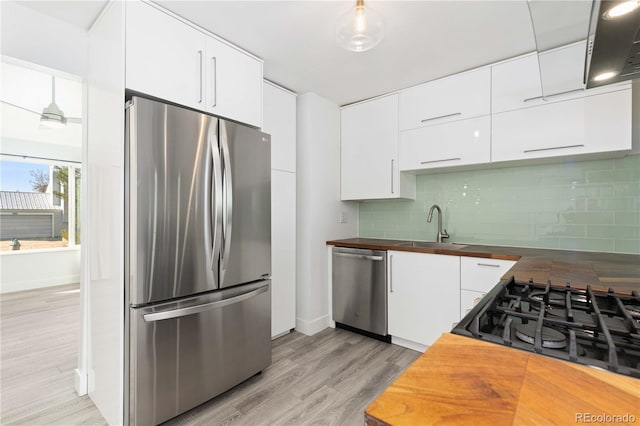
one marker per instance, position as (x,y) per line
(360,28)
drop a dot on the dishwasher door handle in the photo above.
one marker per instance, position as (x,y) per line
(360,256)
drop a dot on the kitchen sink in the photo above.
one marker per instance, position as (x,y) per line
(431,244)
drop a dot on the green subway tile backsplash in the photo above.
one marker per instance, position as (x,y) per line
(586,205)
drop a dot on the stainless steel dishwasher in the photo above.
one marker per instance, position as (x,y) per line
(359,284)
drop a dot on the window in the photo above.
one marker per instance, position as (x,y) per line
(39,204)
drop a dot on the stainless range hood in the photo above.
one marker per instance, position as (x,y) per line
(613,43)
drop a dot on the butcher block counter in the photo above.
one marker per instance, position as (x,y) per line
(460,380)
(600,270)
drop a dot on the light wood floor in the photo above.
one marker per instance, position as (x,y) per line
(39,353)
(325,379)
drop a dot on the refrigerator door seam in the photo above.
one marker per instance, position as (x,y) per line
(228,198)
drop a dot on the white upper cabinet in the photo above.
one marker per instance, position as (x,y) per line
(164,57)
(562,70)
(279,114)
(453,98)
(445,145)
(591,124)
(233,83)
(172,60)
(552,76)
(369,152)
(516,84)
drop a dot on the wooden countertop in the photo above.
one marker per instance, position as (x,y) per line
(460,380)
(600,270)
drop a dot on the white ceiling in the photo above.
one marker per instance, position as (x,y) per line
(424,40)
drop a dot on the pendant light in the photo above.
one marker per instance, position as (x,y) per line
(359,29)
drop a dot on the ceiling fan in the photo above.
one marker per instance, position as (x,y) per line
(51,116)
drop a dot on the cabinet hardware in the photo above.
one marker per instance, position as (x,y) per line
(440,116)
(552,148)
(488,264)
(392,176)
(439,161)
(200,62)
(215,80)
(390,273)
(544,98)
(360,256)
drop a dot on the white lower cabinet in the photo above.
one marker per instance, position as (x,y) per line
(469,299)
(424,294)
(478,276)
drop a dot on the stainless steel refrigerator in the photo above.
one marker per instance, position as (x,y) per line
(198,258)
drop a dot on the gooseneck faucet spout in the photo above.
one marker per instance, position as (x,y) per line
(441,234)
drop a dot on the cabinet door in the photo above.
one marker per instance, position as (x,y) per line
(424,295)
(516,84)
(562,70)
(452,98)
(233,83)
(591,124)
(280,122)
(369,150)
(164,57)
(445,145)
(481,274)
(283,251)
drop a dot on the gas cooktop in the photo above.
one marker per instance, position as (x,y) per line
(583,326)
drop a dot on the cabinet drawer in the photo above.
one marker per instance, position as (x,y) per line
(592,124)
(469,299)
(452,98)
(480,274)
(445,145)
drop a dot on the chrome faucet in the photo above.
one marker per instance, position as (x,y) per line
(441,234)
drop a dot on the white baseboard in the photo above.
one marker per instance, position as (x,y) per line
(10,287)
(311,327)
(80,382)
(409,344)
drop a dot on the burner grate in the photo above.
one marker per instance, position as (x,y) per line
(597,328)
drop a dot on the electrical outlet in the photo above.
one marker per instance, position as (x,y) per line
(343,217)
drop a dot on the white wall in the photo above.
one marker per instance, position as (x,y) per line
(105,180)
(39,268)
(32,36)
(318,207)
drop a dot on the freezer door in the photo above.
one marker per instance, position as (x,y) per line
(173,224)
(185,353)
(246,204)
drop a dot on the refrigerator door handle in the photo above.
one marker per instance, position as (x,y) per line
(213,197)
(227,212)
(183,312)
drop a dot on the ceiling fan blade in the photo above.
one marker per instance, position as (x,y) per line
(18,106)
(75,120)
